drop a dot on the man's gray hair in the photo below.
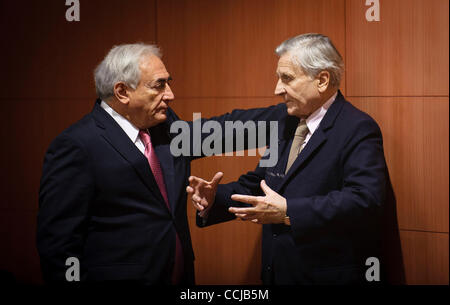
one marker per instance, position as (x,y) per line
(121,65)
(314,53)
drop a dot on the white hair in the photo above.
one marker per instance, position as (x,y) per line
(121,64)
(314,53)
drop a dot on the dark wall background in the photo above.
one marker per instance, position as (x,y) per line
(220,54)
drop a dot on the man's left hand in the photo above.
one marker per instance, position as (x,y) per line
(266,209)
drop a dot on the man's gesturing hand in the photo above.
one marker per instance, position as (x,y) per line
(266,209)
(203,192)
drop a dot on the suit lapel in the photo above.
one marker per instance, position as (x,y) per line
(120,141)
(315,142)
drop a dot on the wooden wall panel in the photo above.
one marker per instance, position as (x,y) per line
(49,57)
(425,257)
(415,132)
(36,123)
(405,54)
(18,237)
(226,48)
(227,253)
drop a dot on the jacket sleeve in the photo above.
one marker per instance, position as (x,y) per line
(219,135)
(66,190)
(361,196)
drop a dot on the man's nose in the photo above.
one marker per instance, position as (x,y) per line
(168,94)
(279,89)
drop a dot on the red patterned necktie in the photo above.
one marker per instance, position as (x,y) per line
(155,166)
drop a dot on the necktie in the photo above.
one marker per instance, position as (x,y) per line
(299,139)
(155,166)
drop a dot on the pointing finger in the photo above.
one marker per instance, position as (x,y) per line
(216,179)
(253,200)
(242,210)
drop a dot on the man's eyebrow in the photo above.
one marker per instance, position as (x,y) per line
(283,73)
(159,80)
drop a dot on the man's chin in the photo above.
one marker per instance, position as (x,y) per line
(161,117)
(158,119)
(291,111)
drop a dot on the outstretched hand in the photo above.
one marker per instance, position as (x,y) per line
(270,208)
(203,192)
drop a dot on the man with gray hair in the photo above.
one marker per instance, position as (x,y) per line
(320,205)
(112,200)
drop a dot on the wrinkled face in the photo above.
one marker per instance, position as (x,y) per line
(299,90)
(148,103)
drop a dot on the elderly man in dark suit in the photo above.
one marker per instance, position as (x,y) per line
(112,194)
(320,205)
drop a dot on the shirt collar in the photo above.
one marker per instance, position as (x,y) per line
(131,130)
(314,119)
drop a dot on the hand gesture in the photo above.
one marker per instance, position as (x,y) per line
(203,192)
(270,208)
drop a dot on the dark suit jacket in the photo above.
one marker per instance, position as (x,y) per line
(99,202)
(335,193)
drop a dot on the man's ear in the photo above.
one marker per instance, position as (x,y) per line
(122,92)
(323,81)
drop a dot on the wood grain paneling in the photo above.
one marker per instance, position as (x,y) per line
(49,57)
(415,132)
(226,48)
(19,254)
(425,257)
(227,253)
(405,54)
(31,126)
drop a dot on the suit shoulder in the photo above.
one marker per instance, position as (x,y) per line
(352,116)
(79,132)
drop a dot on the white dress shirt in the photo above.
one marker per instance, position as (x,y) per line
(313,121)
(131,130)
